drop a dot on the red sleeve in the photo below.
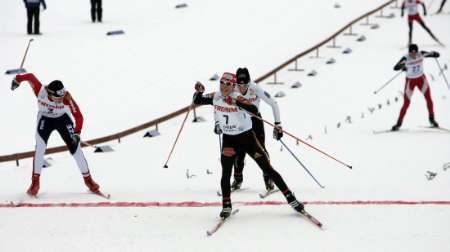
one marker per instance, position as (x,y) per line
(34,82)
(75,110)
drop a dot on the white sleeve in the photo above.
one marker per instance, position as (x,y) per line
(269,100)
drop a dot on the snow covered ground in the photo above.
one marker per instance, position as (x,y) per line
(123,81)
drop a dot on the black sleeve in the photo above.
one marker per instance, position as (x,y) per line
(424,8)
(248,107)
(400,64)
(431,54)
(200,99)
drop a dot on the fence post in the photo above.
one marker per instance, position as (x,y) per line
(334,44)
(367,21)
(275,80)
(296,67)
(350,32)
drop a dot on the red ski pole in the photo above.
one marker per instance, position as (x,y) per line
(303,142)
(178,135)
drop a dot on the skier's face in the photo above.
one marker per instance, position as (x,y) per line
(56,99)
(243,88)
(413,54)
(226,88)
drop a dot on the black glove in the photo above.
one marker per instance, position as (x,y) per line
(435,54)
(217,129)
(14,84)
(199,87)
(277,131)
(75,138)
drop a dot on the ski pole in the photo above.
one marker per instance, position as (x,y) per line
(303,142)
(178,135)
(220,144)
(442,71)
(387,83)
(304,167)
(25,55)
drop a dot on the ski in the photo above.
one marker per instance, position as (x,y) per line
(220,223)
(311,218)
(437,128)
(103,195)
(376,132)
(219,193)
(18,202)
(267,193)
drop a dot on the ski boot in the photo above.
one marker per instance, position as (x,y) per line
(269,184)
(298,206)
(90,183)
(226,209)
(396,127)
(433,122)
(236,183)
(34,187)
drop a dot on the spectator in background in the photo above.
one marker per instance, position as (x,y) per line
(96,10)
(33,9)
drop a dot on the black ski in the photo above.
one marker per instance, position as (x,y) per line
(268,193)
(311,218)
(437,128)
(376,132)
(219,193)
(220,223)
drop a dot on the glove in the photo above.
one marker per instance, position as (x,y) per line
(435,54)
(277,131)
(75,138)
(199,87)
(217,129)
(14,84)
(229,100)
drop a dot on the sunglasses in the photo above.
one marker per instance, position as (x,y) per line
(226,83)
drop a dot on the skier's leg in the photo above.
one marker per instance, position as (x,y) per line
(258,128)
(442,6)
(65,130)
(406,101)
(239,163)
(44,129)
(255,150)
(99,10)
(226,160)
(410,25)
(427,29)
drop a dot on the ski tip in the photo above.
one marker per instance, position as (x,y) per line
(165,166)
(208,233)
(349,166)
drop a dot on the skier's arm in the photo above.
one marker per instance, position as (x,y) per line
(75,110)
(201,99)
(424,8)
(431,54)
(400,64)
(246,105)
(269,100)
(34,82)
